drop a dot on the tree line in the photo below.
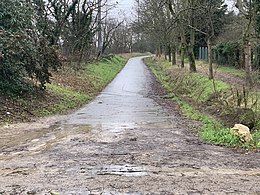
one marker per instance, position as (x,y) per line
(183,26)
(38,36)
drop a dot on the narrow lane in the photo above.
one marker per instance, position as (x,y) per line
(124,101)
(123,142)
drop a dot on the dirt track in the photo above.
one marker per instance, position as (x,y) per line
(232,79)
(144,148)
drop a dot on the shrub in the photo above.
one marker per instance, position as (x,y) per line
(24,53)
(227,53)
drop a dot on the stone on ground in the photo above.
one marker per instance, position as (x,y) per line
(243,132)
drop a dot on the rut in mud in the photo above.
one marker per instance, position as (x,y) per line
(123,142)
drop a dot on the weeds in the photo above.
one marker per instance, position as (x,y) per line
(211,130)
(199,91)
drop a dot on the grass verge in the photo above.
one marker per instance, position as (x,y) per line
(228,69)
(75,89)
(193,91)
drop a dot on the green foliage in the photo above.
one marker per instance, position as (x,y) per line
(211,130)
(256,138)
(23,52)
(220,137)
(14,40)
(15,88)
(197,85)
(227,53)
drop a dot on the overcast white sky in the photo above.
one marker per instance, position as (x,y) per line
(126,7)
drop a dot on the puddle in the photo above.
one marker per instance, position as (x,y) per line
(37,140)
(108,192)
(140,171)
(93,192)
(122,170)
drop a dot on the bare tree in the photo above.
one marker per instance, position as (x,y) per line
(122,39)
(109,29)
(190,14)
(248,12)
(156,21)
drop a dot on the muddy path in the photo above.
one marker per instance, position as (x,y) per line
(232,79)
(126,141)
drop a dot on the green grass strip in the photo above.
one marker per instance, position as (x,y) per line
(211,130)
(99,74)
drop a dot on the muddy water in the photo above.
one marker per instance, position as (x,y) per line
(123,142)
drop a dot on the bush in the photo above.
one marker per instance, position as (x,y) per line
(24,53)
(227,53)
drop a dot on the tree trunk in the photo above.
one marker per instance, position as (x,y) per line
(170,52)
(248,12)
(191,51)
(165,52)
(248,63)
(160,51)
(99,30)
(210,55)
(183,41)
(174,60)
(191,54)
(241,58)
